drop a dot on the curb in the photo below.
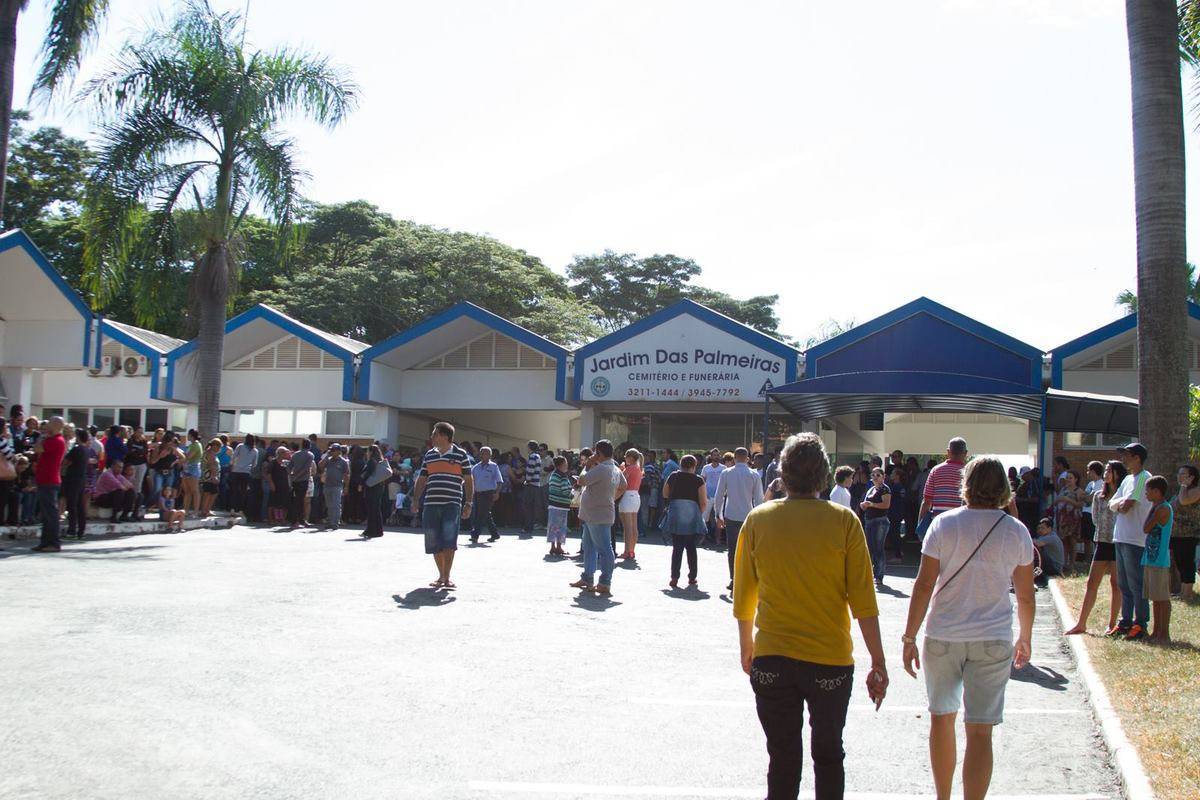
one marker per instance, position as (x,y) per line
(1129,764)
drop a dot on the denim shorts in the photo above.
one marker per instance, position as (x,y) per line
(971,674)
(191,471)
(441,526)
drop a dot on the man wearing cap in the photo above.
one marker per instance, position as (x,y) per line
(335,477)
(1129,538)
(943,488)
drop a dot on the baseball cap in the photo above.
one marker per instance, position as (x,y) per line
(1023,470)
(1136,448)
(335,446)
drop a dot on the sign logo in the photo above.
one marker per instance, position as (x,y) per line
(600,386)
(766,387)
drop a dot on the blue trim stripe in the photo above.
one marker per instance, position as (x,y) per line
(269,315)
(789,354)
(924,305)
(152,355)
(457,311)
(1100,335)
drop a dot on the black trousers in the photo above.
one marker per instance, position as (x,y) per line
(782,688)
(296,510)
(121,501)
(73,492)
(1184,551)
(682,543)
(239,483)
(733,527)
(9,499)
(374,511)
(481,514)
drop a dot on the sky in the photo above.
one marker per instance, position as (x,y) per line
(848,156)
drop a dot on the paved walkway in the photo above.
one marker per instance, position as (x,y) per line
(255,663)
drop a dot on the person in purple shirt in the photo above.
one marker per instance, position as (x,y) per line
(115,448)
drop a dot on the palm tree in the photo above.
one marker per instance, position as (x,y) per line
(1128,298)
(73,25)
(1158,171)
(190,144)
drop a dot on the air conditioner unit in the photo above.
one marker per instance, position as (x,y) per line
(136,366)
(109,365)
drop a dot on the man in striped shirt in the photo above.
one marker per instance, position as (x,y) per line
(443,482)
(531,498)
(943,488)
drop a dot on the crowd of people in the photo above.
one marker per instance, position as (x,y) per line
(808,546)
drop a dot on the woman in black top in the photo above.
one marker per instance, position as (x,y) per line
(356,506)
(137,452)
(163,463)
(74,481)
(876,502)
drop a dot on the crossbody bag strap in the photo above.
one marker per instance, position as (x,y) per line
(973,552)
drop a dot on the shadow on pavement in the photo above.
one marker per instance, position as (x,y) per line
(628,563)
(127,553)
(885,589)
(687,594)
(594,602)
(424,597)
(1041,676)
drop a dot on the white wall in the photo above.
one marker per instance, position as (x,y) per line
(470,389)
(1119,382)
(44,344)
(1007,437)
(282,388)
(75,388)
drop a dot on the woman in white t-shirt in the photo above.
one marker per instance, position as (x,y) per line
(969,559)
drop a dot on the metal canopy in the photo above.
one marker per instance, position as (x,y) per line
(916,392)
(1090,413)
(907,391)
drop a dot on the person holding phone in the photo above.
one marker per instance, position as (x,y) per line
(969,558)
(801,569)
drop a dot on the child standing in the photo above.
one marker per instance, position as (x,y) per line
(1156,558)
(559,508)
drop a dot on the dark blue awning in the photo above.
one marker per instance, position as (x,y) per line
(915,392)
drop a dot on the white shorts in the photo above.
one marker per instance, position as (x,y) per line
(973,675)
(631,501)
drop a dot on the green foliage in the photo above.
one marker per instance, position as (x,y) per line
(1127,299)
(73,28)
(1194,422)
(368,276)
(626,288)
(829,329)
(46,174)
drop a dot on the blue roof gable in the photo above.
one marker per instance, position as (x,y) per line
(927,336)
(1092,338)
(731,326)
(457,311)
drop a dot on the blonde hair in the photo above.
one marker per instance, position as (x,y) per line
(633,451)
(985,483)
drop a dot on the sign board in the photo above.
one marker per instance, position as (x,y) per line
(683,359)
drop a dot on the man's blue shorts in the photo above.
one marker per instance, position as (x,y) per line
(441,526)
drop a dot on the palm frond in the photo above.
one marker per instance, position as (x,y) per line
(296,82)
(73,28)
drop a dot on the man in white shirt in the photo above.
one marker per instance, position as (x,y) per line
(244,457)
(1129,538)
(711,473)
(842,479)
(739,490)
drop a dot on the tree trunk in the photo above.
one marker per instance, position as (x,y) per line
(1158,171)
(211,294)
(9,11)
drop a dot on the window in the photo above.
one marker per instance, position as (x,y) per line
(129,416)
(46,413)
(253,421)
(227,421)
(104,418)
(156,418)
(1099,441)
(364,423)
(280,420)
(78,417)
(308,421)
(178,419)
(337,423)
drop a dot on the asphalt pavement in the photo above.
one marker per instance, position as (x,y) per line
(260,663)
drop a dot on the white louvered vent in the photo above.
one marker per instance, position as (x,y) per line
(1124,359)
(456,359)
(531,359)
(246,364)
(289,353)
(481,353)
(490,351)
(286,353)
(265,359)
(507,351)
(310,356)
(1097,364)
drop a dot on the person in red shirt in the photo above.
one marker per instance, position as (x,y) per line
(48,473)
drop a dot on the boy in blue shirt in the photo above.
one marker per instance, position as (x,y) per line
(1156,558)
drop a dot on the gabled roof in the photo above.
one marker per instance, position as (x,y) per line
(332,343)
(758,339)
(470,311)
(980,337)
(131,335)
(1098,336)
(17,239)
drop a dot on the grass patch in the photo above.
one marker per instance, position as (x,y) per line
(1155,690)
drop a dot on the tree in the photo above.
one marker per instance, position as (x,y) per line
(193,121)
(829,329)
(1158,168)
(626,288)
(46,175)
(73,25)
(394,281)
(1128,298)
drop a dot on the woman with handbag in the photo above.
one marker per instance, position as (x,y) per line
(375,479)
(969,559)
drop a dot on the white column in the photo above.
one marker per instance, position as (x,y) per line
(589,426)
(18,385)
